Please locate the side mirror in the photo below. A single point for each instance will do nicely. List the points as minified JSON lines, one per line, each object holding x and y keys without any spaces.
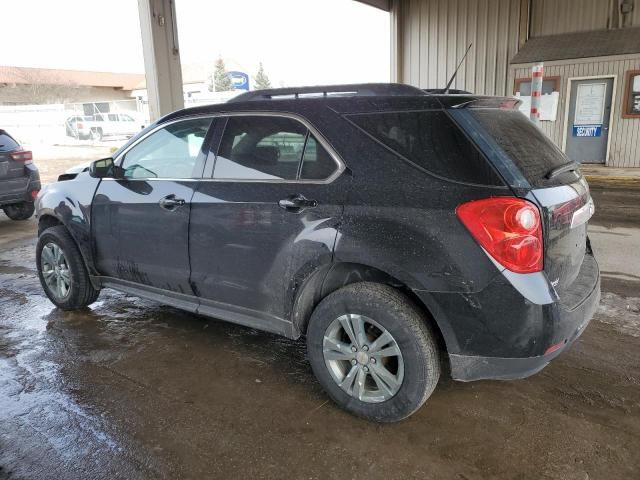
{"x":105,"y":168}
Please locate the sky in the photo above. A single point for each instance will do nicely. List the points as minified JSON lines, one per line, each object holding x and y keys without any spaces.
{"x":300,"y":42}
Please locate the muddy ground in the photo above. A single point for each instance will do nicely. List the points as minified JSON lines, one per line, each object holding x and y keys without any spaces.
{"x":131,"y":389}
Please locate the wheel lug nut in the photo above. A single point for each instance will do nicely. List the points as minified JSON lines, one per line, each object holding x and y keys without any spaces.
{"x":354,"y":361}
{"x":365,"y":348}
{"x":366,"y":369}
{"x":354,"y":349}
{"x":372,"y":360}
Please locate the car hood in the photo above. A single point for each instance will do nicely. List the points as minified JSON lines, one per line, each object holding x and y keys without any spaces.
{"x":78,"y":168}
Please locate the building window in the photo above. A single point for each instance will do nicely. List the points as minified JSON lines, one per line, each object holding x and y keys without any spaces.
{"x":523,"y":85}
{"x":632,"y":95}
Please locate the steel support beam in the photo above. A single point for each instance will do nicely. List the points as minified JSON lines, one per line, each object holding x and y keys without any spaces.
{"x":161,"y":56}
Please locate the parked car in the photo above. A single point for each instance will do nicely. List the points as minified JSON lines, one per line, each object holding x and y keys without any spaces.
{"x":19,"y":179}
{"x":403,"y":233}
{"x":101,"y":125}
{"x":77,"y":126}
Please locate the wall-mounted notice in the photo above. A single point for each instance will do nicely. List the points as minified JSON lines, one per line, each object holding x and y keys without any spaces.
{"x":590,"y":104}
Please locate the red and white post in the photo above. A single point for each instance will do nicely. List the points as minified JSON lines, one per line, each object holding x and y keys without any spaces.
{"x":537,"y":72}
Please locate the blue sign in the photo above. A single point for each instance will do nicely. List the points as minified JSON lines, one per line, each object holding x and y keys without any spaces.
{"x":587,"y":130}
{"x":240,"y":80}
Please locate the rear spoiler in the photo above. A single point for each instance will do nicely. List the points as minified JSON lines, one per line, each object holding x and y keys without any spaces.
{"x":463,"y":101}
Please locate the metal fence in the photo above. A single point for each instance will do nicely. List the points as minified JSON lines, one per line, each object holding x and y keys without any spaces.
{"x":48,"y":124}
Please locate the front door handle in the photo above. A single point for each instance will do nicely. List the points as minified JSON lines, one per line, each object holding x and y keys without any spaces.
{"x":297,"y":203}
{"x":170,"y":202}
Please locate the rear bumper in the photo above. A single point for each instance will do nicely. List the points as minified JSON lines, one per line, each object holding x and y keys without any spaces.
{"x":569,"y":323}
{"x":17,"y":190}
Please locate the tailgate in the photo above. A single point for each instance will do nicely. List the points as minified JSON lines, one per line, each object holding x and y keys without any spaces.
{"x":565,"y":211}
{"x":4,"y":165}
{"x":534,"y":167}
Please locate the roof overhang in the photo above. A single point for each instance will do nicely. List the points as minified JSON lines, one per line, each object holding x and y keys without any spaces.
{"x":381,"y":4}
{"x":599,"y":43}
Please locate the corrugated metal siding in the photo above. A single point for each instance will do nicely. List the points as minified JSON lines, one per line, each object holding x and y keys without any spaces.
{"x":435,"y":34}
{"x":550,"y":17}
{"x":624,"y":150}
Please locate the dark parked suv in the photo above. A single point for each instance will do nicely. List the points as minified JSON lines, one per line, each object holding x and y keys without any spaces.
{"x":19,"y":179}
{"x":403,"y":232}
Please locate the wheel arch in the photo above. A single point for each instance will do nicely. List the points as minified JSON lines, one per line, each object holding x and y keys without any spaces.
{"x":47,"y":221}
{"x":330,"y":278}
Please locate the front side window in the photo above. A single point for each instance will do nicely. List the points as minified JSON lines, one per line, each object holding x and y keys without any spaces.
{"x":270,"y":148}
{"x":170,"y":152}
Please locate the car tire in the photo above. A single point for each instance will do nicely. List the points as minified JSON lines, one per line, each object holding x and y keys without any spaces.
{"x":79,"y":292}
{"x":96,"y":134}
{"x":378,"y":308}
{"x":19,"y":211}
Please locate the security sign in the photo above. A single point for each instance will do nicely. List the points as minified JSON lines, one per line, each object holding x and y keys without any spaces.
{"x":240,"y":80}
{"x":587,"y":130}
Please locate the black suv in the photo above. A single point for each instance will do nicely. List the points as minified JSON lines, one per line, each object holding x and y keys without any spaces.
{"x":403,"y":232}
{"x":19,"y":179}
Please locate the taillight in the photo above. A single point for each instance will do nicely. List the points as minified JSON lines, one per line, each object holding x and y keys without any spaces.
{"x":22,"y":156}
{"x":508,"y":228}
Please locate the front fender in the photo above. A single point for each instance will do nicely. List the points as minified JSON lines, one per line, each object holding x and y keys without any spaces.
{"x":69,"y":202}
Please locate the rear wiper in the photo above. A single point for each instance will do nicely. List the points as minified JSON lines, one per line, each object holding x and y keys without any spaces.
{"x":567,"y":167}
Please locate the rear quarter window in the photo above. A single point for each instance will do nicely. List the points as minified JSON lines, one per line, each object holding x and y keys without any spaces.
{"x":7,"y":143}
{"x":432,"y":141}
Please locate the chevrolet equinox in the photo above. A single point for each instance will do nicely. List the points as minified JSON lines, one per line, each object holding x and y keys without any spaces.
{"x":403,"y":232}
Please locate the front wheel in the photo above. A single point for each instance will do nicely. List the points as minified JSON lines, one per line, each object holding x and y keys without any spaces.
{"x":61,"y":269}
{"x":19,"y":211}
{"x":373,"y":352}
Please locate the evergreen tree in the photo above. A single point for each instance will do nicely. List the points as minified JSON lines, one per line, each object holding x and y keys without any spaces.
{"x":220,"y":81}
{"x":261,"y":79}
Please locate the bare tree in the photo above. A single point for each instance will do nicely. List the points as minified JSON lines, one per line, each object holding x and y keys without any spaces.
{"x":44,"y":87}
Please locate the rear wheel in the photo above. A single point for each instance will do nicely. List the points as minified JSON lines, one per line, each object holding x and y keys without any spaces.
{"x":61,"y":269}
{"x":373,"y":352}
{"x":96,"y":134}
{"x":19,"y":211}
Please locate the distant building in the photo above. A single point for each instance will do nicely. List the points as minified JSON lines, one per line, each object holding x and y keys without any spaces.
{"x":27,"y":86}
{"x":195,"y":86}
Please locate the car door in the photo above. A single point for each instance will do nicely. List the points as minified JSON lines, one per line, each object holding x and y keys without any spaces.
{"x":140,"y":222}
{"x":266,"y":219}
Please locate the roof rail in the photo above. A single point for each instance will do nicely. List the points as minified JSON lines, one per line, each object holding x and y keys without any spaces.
{"x":329,"y":91}
{"x":452,"y":91}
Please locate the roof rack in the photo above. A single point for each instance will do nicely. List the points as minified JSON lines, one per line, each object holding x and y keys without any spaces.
{"x":330,"y":91}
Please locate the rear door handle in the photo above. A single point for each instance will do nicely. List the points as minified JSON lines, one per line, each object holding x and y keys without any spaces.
{"x":297,"y":203}
{"x":170,"y":202}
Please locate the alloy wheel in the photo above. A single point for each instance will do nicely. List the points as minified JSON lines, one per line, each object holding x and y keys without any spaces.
{"x":363,"y":358}
{"x":55,"y":270}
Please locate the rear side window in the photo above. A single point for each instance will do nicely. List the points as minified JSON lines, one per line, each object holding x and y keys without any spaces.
{"x":432,"y":141}
{"x":526,"y":145}
{"x":270,"y":148}
{"x":7,"y":143}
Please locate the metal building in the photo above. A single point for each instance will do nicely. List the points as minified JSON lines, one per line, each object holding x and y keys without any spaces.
{"x":590,"y":50}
